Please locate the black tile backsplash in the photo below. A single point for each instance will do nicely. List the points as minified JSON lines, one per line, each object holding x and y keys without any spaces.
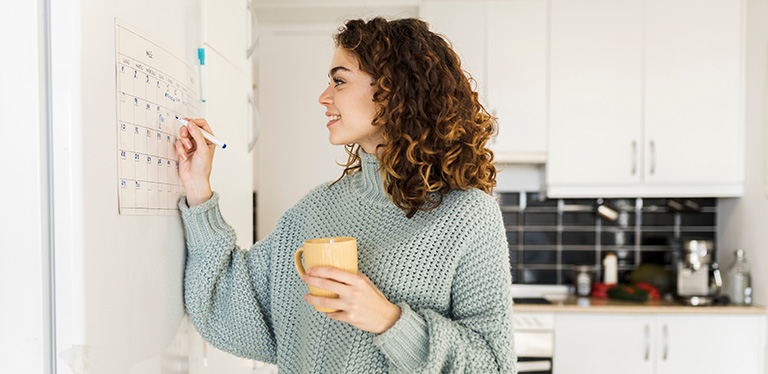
{"x":698,"y":219}
{"x":539,"y":276}
{"x":579,"y":219}
{"x":547,"y":237}
{"x":579,"y":238}
{"x":579,"y":257}
{"x":512,"y":237}
{"x":658,"y":219}
{"x":617,"y":237}
{"x":540,"y":219}
{"x":538,"y":256}
{"x":511,"y":218}
{"x":539,"y":237}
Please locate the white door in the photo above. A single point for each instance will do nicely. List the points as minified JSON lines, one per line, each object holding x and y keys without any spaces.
{"x":517,"y":74}
{"x":708,"y":344}
{"x":694,"y":125}
{"x":595,"y":93}
{"x":603,"y":344}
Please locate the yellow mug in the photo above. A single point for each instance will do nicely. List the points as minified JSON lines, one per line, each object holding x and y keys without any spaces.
{"x":337,"y":252}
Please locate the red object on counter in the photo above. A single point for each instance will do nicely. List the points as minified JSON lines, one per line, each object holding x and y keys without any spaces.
{"x":652,"y":291}
{"x":600,"y":290}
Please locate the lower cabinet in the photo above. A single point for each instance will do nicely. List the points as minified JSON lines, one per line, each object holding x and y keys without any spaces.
{"x":658,"y":343}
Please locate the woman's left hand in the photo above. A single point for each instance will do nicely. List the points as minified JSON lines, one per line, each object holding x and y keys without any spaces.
{"x":360,"y":303}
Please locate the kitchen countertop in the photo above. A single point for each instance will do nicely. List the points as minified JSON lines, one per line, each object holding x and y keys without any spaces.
{"x":573,"y":304}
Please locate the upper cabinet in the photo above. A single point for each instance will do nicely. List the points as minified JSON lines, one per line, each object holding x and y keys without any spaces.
{"x":646,"y":98}
{"x":516,"y":71}
{"x":595,"y":94}
{"x":227,"y":28}
{"x":694,"y":89}
{"x":502,"y":44}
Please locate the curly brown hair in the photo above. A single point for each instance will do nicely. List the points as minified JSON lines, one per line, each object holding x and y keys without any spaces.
{"x":435,"y":130}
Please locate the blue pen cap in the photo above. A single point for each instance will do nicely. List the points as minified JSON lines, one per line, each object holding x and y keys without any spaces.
{"x":201,"y":55}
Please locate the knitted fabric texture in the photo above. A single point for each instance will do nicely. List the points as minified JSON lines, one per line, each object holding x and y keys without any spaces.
{"x":447,"y":269}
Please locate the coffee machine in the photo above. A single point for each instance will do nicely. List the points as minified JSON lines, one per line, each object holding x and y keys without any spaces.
{"x":698,"y":276}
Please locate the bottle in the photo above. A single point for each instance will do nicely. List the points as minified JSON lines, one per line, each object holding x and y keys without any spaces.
{"x":583,"y":280}
{"x":610,"y":269}
{"x":739,"y":282}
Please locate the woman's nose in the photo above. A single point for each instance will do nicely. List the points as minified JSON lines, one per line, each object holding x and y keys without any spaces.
{"x":326,"y":98}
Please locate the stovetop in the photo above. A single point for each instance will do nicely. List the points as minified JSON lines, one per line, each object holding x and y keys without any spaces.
{"x":530,"y":300}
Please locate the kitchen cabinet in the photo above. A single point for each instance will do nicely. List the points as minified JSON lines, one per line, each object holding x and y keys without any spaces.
{"x":658,"y":344}
{"x":646,"y":98}
{"x":228,"y":111}
{"x":516,"y":69}
{"x":232,"y":167}
{"x":595,"y":93}
{"x":502,"y":44}
{"x":228,"y":30}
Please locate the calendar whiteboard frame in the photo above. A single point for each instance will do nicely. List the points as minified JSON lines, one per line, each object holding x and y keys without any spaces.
{"x":148,"y":180}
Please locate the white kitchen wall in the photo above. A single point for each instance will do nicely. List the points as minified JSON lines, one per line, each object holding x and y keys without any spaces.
{"x":742,"y":222}
{"x":293,"y":153}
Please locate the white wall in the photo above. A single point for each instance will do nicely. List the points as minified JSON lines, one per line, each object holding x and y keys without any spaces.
{"x":23,"y":344}
{"x":293,"y":153}
{"x":743,"y":222}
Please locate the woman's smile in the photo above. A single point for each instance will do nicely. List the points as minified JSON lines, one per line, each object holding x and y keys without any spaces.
{"x":332,"y":118}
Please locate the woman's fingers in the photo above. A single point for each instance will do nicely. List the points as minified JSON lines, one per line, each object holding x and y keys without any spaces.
{"x":326,"y":284}
{"x":202,"y":123}
{"x":180,"y":150}
{"x":335,"y":274}
{"x":325,"y":302}
{"x":197,"y":135}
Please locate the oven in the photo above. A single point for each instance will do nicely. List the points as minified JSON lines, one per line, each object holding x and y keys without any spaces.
{"x":534,"y":342}
{"x":535,"y":331}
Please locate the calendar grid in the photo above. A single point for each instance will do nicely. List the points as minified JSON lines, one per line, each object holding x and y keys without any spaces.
{"x":153,"y":87}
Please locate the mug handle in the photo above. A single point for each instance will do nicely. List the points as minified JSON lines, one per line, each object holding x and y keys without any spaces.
{"x":297,"y":261}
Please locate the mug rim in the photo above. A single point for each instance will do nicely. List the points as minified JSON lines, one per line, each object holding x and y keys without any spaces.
{"x":336,"y":240}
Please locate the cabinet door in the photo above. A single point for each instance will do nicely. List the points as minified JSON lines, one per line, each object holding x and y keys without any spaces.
{"x":603,"y":344}
{"x":694,"y":124}
{"x":226,"y":27}
{"x":227,"y":112}
{"x":595,"y":93}
{"x":708,"y":344}
{"x":463,"y":23}
{"x":517,"y":75}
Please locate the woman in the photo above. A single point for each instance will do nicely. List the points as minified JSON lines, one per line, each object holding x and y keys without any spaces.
{"x":432,"y":292}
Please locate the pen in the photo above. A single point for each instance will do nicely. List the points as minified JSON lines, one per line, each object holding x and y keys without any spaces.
{"x":206,"y":134}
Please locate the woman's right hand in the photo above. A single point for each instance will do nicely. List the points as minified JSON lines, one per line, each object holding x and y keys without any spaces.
{"x":195,"y":161}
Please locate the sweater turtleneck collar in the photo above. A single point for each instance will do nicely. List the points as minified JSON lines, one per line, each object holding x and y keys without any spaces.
{"x":371,"y":184}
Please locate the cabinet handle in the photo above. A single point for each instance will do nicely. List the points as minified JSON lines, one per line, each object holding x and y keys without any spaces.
{"x":252,"y":48}
{"x":634,"y":157}
{"x":647,"y":342}
{"x":251,"y":123}
{"x":666,"y":341}
{"x":653,"y":157}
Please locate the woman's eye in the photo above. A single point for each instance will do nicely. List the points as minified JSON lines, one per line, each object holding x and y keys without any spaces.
{"x":337,"y":82}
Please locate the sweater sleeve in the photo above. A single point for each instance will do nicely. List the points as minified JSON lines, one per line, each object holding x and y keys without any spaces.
{"x":477,"y":338}
{"x":226,"y":289}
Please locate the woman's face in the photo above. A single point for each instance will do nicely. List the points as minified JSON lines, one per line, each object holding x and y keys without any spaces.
{"x":349,"y":103}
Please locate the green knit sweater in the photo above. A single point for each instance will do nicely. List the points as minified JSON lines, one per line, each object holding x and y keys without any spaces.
{"x":447,"y":269}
